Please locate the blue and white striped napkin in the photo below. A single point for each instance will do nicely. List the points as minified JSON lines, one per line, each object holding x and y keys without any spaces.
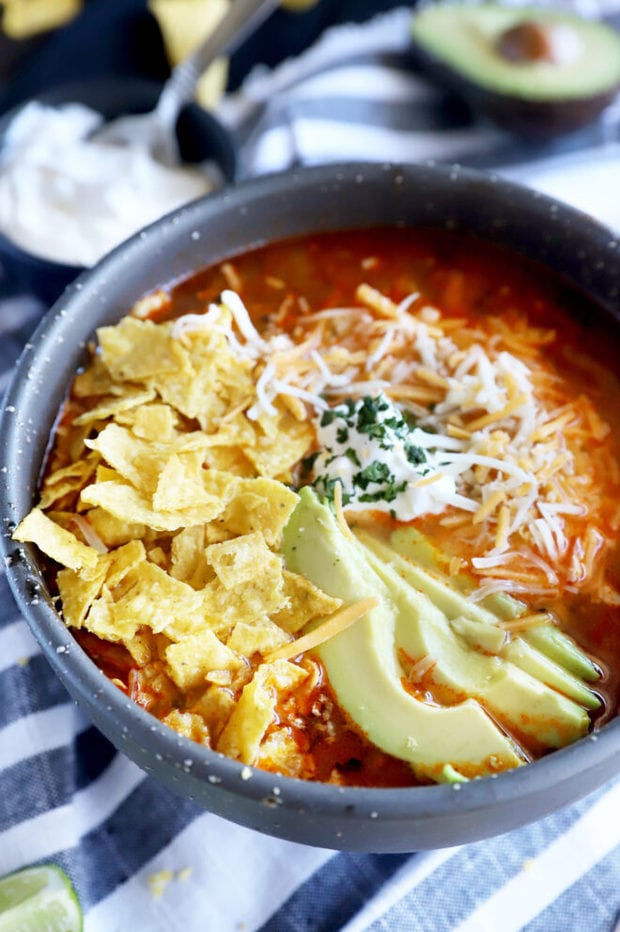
{"x":143,"y":859}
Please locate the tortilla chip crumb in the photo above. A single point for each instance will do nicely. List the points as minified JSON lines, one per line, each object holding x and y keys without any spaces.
{"x":159,"y":881}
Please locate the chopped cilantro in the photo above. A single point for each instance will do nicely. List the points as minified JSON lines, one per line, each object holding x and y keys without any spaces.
{"x":386,"y":494}
{"x":358,"y":425}
{"x":352,"y":455}
{"x":415,"y":455}
{"x":374,"y":472}
{"x":324,"y":485}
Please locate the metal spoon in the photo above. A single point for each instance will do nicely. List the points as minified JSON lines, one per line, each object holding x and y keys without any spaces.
{"x":156,"y":130}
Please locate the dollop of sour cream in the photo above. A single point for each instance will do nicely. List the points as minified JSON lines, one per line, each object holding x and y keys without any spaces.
{"x":382,"y":460}
{"x":68,"y":197}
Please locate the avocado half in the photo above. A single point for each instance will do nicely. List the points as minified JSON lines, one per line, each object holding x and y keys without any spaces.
{"x":541,"y":73}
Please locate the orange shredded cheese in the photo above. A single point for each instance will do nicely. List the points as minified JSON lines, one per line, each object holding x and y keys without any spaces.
{"x":524,"y":622}
{"x":339,"y":621}
{"x":376,"y":301}
{"x":489,"y":507}
{"x":495,"y":416}
{"x":501,"y":532}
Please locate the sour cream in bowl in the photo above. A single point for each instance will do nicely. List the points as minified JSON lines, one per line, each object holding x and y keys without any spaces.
{"x":67,"y":198}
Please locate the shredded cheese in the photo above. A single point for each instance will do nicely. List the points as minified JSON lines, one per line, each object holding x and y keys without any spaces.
{"x":524,"y":622}
{"x":526,"y":450}
{"x":339,"y":621}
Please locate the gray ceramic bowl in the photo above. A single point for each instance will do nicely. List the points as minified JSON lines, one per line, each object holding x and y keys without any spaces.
{"x":234,"y":220}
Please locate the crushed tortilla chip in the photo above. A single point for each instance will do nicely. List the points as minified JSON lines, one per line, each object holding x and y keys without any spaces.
{"x":305,"y":601}
{"x":243,"y":559}
{"x":260,"y":504}
{"x":181,"y":501}
{"x":191,"y":659}
{"x":115,"y":404}
{"x":255,"y":711}
{"x":257,"y":637}
{"x":59,"y":544}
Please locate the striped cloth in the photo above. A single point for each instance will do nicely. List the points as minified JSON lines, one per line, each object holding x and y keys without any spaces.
{"x":143,"y":859}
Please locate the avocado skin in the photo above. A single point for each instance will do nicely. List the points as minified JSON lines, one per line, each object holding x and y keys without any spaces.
{"x":536,"y":120}
{"x":527,"y":115}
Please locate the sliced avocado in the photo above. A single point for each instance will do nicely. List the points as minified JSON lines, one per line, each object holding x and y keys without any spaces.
{"x":489,"y":639}
{"x":450,"y":775}
{"x":520,"y":700}
{"x":526,"y":657}
{"x":447,"y":597}
{"x":544,"y":651}
{"x":538,"y":72}
{"x":556,"y":645}
{"x":416,"y":618}
{"x":364,"y":669}
{"x":505,"y":606}
{"x":410,"y":543}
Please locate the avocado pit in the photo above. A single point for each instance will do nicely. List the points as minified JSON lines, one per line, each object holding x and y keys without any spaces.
{"x":536,"y":41}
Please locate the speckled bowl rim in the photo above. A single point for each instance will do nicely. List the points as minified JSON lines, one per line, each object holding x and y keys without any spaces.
{"x":589,"y":761}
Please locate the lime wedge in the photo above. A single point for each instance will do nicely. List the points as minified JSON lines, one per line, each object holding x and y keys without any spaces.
{"x":39,"y":899}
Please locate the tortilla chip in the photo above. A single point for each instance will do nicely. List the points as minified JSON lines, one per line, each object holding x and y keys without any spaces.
{"x":304,"y":603}
{"x":229,"y":459}
{"x":67,"y":480}
{"x":95,"y":380}
{"x":188,"y":557}
{"x":289,"y":440}
{"x":255,"y":710}
{"x":263,"y":505}
{"x":190,"y":660}
{"x":184,"y":23}
{"x":159,"y":556}
{"x":215,"y":706}
{"x":154,"y":422}
{"x":78,"y":591}
{"x":119,"y":562}
{"x":101,"y":621}
{"x":156,"y":600}
{"x":189,"y":725}
{"x":137,"y":350}
{"x":279,"y":753}
{"x":128,"y":504}
{"x":250,"y":719}
{"x":236,"y":431}
{"x":181,"y":483}
{"x":115,"y":404}
{"x":113,"y":531}
{"x":243,"y":560}
{"x":56,"y":542}
{"x":258,"y":637}
{"x":136,"y":460}
{"x":23,"y":20}
{"x":143,"y":646}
